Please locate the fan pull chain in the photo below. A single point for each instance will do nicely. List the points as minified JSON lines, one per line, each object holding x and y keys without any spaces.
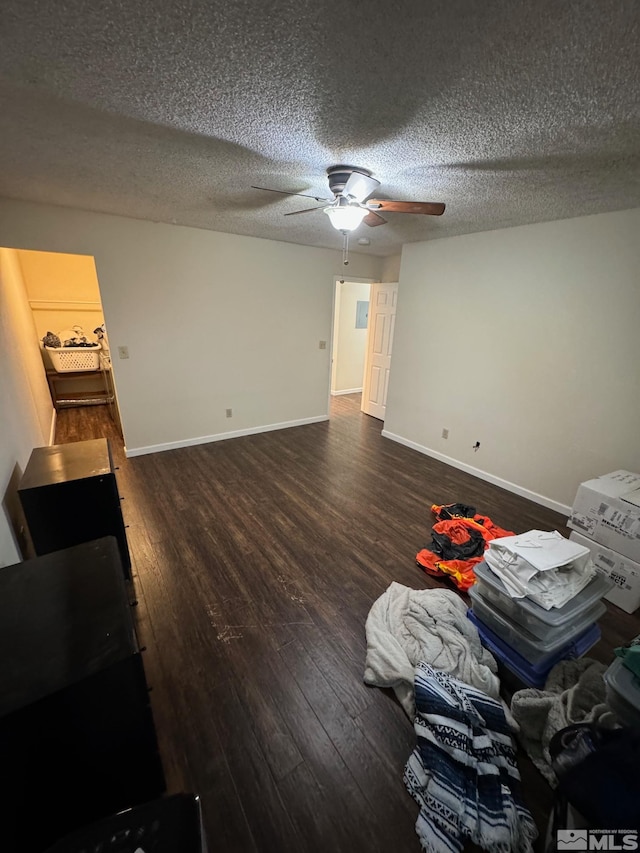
{"x":345,"y":248}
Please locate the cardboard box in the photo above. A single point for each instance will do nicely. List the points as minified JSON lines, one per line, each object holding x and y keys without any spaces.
{"x":607,"y":510}
{"x":625,"y":573}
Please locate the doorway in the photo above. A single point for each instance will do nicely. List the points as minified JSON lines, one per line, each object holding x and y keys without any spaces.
{"x":62,"y":303}
{"x":350,"y":323}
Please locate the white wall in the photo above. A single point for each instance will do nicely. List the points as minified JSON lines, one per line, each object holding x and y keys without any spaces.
{"x":26,"y":410}
{"x":212,"y":321}
{"x":391,"y":268}
{"x":527,"y":340}
{"x":350,"y":343}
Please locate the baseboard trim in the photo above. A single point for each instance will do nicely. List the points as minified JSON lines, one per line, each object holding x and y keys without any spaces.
{"x":348,"y":391}
{"x":221,"y":436}
{"x":52,"y":430}
{"x":482,"y":475}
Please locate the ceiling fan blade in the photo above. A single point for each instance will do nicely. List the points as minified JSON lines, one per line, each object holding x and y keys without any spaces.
{"x":359,"y":186}
{"x":372,"y":219}
{"x":284,"y":192}
{"x":432,"y":208}
{"x":306,"y":210}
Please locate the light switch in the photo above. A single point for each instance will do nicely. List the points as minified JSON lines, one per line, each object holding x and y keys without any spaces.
{"x":322,"y":345}
{"x":123,"y":352}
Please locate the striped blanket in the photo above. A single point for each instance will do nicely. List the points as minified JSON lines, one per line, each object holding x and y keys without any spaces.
{"x":463,"y":771}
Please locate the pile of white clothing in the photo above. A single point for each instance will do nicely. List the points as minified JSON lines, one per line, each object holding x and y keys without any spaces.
{"x":406,"y":626}
{"x":540,"y":565}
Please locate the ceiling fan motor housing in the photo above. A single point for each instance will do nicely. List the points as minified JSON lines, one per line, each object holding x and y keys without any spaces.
{"x":339,"y":175}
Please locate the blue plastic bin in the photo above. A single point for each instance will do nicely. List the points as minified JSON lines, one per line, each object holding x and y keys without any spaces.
{"x":533,"y":676}
{"x":538,"y":652}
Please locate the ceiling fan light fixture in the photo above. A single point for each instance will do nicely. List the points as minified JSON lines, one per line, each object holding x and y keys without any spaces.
{"x":346,"y":217}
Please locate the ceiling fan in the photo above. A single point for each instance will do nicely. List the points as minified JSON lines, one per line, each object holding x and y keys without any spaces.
{"x":351,"y":204}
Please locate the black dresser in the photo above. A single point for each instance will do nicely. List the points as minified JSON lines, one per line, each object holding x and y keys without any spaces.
{"x":69,"y":495}
{"x":168,"y":825}
{"x":77,"y":740}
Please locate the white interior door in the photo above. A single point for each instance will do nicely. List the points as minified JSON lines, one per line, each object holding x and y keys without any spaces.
{"x":382,"y":318}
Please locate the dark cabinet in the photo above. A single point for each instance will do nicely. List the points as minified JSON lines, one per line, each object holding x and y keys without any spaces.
{"x":77,"y":740}
{"x":70,"y":495}
{"x":168,"y":825}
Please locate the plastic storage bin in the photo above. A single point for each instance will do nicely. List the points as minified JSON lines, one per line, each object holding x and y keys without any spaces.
{"x":535,"y":619}
{"x":527,"y":673}
{"x":68,"y":359}
{"x":535,"y":650}
{"x":623,"y":693}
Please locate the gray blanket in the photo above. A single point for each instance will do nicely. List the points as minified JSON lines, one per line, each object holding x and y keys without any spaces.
{"x":406,"y":626}
{"x":574,"y":693}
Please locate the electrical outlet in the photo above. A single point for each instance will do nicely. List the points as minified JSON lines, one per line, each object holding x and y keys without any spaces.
{"x":322,"y":345}
{"x":229,"y":413}
{"x":123,"y":352}
{"x":445,"y":432}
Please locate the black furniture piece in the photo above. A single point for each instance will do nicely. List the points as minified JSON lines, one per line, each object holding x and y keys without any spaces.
{"x":77,"y":740}
{"x":170,"y":825}
{"x":69,"y":495}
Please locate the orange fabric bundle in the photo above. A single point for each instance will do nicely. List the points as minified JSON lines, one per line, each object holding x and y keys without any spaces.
{"x":460,"y":571}
{"x":458,"y":529}
{"x":458,"y":543}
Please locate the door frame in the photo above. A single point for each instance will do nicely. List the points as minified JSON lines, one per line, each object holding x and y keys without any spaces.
{"x":337,"y":281}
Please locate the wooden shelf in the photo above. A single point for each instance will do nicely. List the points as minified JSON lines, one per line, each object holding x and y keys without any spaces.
{"x":62,"y":398}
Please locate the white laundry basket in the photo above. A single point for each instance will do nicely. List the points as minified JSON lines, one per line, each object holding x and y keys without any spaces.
{"x":68,"y":359}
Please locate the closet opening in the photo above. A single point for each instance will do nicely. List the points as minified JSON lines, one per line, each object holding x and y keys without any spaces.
{"x":62,"y":315}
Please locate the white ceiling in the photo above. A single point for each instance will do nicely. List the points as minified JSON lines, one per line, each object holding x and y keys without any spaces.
{"x":509,"y":112}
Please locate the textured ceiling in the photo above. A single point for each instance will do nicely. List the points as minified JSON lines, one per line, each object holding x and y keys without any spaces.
{"x":509,"y":112}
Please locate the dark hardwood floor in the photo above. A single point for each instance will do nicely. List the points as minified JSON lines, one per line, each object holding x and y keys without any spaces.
{"x":256,"y":561}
